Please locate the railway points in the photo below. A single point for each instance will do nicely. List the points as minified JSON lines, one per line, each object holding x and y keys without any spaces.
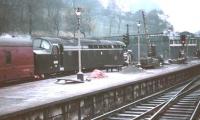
{"x":177,"y":102}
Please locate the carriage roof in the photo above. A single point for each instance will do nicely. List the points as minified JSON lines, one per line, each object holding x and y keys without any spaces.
{"x":15,"y":41}
{"x":74,"y":42}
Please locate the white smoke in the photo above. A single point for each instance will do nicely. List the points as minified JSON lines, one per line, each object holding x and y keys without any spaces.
{"x":132,"y":5}
{"x":183,"y":14}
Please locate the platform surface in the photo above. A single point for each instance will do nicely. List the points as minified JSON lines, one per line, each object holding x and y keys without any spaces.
{"x":27,"y":95}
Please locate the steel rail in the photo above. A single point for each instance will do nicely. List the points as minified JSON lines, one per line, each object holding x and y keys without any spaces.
{"x":161,"y":107}
{"x":196,"y":111}
{"x":173,"y":100}
{"x":155,"y":108}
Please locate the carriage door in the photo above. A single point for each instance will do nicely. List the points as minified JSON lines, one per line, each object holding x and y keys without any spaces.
{"x":55,"y":58}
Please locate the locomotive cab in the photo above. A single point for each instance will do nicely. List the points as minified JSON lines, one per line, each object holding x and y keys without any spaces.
{"x":47,"y":55}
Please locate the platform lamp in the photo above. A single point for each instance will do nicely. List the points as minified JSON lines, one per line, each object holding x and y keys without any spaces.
{"x":80,"y":75}
{"x":138,"y":26}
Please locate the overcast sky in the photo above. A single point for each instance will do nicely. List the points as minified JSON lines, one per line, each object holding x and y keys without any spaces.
{"x":184,"y":15}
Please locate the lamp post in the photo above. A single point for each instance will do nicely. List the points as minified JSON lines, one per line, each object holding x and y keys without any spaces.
{"x":138,"y":26}
{"x":169,"y":34}
{"x":80,"y":75}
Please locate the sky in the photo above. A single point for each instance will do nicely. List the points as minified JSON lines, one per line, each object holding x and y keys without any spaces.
{"x":184,"y":15}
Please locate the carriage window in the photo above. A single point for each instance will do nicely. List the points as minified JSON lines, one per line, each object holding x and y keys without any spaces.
{"x":95,"y":46}
{"x":90,"y":46}
{"x":100,"y":46}
{"x":7,"y":57}
{"x":36,"y":43}
{"x":45,"y":45}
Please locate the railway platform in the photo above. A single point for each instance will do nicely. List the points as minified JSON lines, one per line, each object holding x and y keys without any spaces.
{"x":48,"y":99}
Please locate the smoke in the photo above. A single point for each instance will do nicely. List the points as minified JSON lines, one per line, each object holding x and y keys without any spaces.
{"x":183,"y":14}
{"x":132,"y":5}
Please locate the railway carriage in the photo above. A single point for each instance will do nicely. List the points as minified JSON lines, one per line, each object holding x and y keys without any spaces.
{"x":55,"y":55}
{"x":25,"y":57}
{"x":16,"y":58}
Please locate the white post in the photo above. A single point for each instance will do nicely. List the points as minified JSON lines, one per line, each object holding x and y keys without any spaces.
{"x":79,"y":47}
{"x":169,"y":48}
{"x":80,"y":75}
{"x":138,"y":25}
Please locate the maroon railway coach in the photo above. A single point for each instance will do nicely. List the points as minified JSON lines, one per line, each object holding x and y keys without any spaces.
{"x":16,"y":58}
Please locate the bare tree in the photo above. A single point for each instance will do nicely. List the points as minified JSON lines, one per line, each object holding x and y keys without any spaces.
{"x":113,"y":15}
{"x":56,"y":19}
{"x":30,"y":11}
{"x":119,"y":23}
{"x":86,"y":23}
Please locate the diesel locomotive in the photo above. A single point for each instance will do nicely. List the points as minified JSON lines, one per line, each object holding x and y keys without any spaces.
{"x":29,"y":58}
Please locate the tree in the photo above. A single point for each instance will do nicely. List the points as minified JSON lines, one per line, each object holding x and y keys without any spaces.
{"x":52,"y":16}
{"x":54,"y":9}
{"x":113,"y":12}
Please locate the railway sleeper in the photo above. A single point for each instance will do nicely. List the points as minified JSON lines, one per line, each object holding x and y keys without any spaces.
{"x":117,"y":118}
{"x":172,"y":118}
{"x":185,"y":104}
{"x":149,"y":104}
{"x":176,"y":115}
{"x":126,"y":115}
{"x":167,"y":97}
{"x":162,"y":98}
{"x":171,"y":93}
{"x":180,"y":111}
{"x":133,"y":112}
{"x":190,"y":97}
{"x":138,"y":109}
{"x":176,"y":109}
{"x":187,"y":101}
{"x":154,"y":102}
{"x":157,"y":100}
{"x":183,"y":107}
{"x":145,"y":107}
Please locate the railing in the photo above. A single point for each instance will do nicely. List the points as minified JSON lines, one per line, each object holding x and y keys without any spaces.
{"x":86,"y":107}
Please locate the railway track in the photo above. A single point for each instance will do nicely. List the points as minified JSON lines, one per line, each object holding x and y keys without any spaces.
{"x":179,"y":102}
{"x":182,"y":107}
